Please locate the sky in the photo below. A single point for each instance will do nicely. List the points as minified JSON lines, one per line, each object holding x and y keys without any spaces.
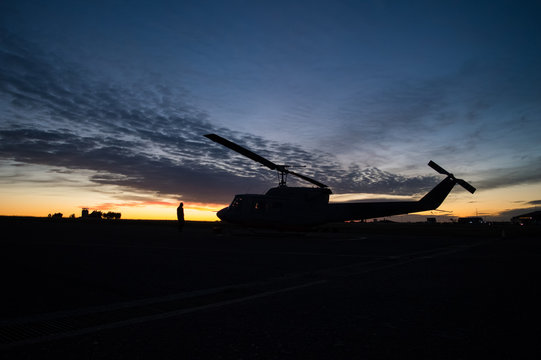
{"x":104,"y":104}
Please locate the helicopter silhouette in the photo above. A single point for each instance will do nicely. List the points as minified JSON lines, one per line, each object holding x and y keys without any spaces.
{"x":285,"y":206}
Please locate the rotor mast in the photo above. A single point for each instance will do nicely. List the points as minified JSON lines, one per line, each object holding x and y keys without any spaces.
{"x":282,"y":177}
{"x":282,"y":169}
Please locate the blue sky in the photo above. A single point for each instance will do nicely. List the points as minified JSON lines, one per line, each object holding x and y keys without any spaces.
{"x":364,"y":93}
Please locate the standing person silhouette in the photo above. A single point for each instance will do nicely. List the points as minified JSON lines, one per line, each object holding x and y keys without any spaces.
{"x":180,"y":216}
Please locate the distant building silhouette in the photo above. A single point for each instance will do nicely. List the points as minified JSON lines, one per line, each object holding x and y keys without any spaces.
{"x":527,"y":219}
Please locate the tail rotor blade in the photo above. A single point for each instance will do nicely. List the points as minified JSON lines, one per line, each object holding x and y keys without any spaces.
{"x":466,"y":186}
{"x":438,"y":168}
{"x":441,"y":170}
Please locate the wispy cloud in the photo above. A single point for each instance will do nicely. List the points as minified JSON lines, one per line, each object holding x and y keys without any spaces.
{"x":525,"y":173}
{"x":483,"y":112}
{"x":146,"y":138}
{"x":109,"y":206}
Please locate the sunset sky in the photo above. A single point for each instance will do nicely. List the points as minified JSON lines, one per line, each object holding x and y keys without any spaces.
{"x":104,"y":104}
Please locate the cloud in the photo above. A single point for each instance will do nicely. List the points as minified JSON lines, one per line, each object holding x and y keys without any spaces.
{"x":484,"y":110}
{"x":376,"y":181}
{"x":146,"y":138}
{"x":109,"y":206}
{"x":525,"y":173}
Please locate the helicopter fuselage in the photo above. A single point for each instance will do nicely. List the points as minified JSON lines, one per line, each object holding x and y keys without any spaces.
{"x":300,"y":206}
{"x":281,"y":205}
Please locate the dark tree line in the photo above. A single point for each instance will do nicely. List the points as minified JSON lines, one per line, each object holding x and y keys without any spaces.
{"x":100,"y":215}
{"x":112,"y":215}
{"x":93,"y":215}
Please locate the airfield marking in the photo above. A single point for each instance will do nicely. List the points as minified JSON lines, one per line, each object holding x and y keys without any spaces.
{"x":159,"y":316}
{"x":284,"y":253}
{"x":451,"y":250}
{"x":435,"y":250}
{"x":224,"y":251}
{"x":230,"y":251}
{"x":351,"y":239}
{"x":24,"y":331}
{"x":123,"y":305}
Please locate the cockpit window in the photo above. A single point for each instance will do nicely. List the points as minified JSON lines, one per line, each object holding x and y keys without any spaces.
{"x":237,"y":201}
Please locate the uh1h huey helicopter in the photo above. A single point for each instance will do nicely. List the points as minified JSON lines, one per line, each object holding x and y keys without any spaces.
{"x":284,"y":206}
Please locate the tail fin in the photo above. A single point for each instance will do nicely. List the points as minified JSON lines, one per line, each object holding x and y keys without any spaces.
{"x":461,"y":182}
{"x":436,"y":196}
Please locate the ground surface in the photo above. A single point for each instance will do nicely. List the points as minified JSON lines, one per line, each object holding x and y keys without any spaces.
{"x":141,"y":289}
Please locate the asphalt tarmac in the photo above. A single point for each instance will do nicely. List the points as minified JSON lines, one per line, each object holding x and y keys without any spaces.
{"x":141,"y":289}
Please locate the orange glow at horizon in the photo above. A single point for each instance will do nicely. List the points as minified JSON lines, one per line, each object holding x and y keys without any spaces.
{"x":41,"y":201}
{"x":192,"y":212}
{"x":38,"y":199}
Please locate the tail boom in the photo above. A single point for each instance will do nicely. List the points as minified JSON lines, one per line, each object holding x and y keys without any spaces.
{"x":369,"y":210}
{"x":431,"y":201}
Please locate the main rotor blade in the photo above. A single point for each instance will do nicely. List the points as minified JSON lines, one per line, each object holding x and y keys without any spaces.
{"x":249,"y":154}
{"x":243,"y":151}
{"x":438,"y":168}
{"x":315,"y":182}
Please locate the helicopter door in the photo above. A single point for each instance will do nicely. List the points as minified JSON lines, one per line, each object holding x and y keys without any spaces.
{"x":259,"y":206}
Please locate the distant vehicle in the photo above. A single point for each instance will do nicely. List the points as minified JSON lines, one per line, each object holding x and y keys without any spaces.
{"x":471,"y":220}
{"x":285,"y":206}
